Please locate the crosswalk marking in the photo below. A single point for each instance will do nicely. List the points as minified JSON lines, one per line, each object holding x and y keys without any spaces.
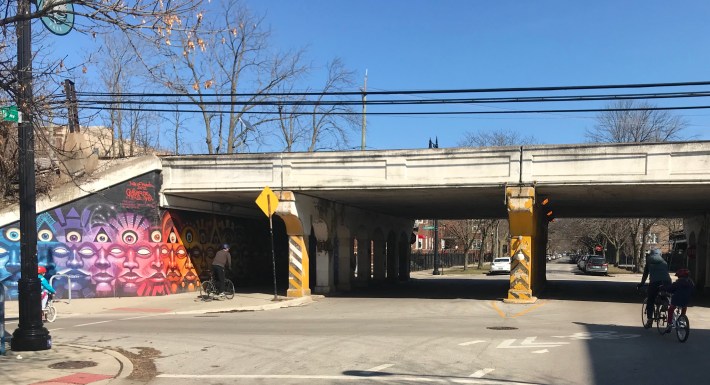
{"x":481,"y":373}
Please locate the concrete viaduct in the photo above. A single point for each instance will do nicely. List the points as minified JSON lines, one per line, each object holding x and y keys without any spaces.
{"x":370,"y":198}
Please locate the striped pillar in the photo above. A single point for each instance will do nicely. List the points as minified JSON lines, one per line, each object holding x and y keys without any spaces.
{"x":297,"y":267}
{"x":298,"y":275}
{"x":520,"y":202}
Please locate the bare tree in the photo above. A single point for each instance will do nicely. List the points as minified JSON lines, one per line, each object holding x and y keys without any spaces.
{"x":495,"y":138}
{"x":626,"y":121}
{"x":136,"y":19}
{"x":464,"y":232}
{"x":223,"y":64}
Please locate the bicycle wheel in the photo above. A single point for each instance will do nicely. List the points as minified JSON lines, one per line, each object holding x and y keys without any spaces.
{"x":661,"y":318}
{"x":682,"y":328}
{"x":228,"y":289}
{"x":644,"y":317}
{"x":51,"y":313}
{"x":206,"y":290}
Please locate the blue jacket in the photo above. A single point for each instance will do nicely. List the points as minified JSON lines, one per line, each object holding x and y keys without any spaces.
{"x":45,"y":284}
{"x":656,"y":267}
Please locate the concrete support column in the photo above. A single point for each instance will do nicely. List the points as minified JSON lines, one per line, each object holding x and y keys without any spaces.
{"x":380,"y":260}
{"x":344,"y":247}
{"x":298,"y":275}
{"x":520,"y":203}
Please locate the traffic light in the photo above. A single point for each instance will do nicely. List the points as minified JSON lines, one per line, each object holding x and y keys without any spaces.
{"x":546,"y":208}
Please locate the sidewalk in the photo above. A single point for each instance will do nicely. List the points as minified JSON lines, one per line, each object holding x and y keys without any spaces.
{"x":76,"y":364}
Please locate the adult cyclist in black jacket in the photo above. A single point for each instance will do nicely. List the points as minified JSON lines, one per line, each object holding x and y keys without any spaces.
{"x":657,"y":269}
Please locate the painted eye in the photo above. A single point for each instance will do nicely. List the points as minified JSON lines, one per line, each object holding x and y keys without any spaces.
{"x":13,"y":234}
{"x":130,"y":237}
{"x":62,"y":251}
{"x":116,"y":251}
{"x":86,"y":251}
{"x":73,"y":236}
{"x":156,"y":236}
{"x":196,"y":253}
{"x":143,"y":252}
{"x":164,"y":251}
{"x":188,"y":236}
{"x":2,"y":251}
{"x":181,"y":252}
{"x":102,"y":238}
{"x":45,"y":236}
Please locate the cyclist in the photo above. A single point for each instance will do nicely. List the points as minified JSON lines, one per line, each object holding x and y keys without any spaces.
{"x":221,"y":260}
{"x":657,"y":268}
{"x":682,"y":288}
{"x":47,"y":289}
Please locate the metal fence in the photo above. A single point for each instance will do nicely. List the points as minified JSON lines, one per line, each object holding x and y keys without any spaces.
{"x":421,"y":262}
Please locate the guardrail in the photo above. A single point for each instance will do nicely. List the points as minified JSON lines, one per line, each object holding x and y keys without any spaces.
{"x":68,"y":282}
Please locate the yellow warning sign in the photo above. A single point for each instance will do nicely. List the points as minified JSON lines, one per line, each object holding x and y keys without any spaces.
{"x":267,"y":201}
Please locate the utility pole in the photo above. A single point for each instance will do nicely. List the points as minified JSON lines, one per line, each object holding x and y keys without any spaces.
{"x":30,"y":335}
{"x":436,"y":248}
{"x":364,"y":112}
{"x":72,"y":110}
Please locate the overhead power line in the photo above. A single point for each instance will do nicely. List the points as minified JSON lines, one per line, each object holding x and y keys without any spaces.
{"x":497,"y":112}
{"x":419,"y":92}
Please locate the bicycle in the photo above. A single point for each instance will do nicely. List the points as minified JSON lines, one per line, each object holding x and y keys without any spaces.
{"x":208,"y":289}
{"x":660,"y":311}
{"x":49,"y":313}
{"x":680,"y":323}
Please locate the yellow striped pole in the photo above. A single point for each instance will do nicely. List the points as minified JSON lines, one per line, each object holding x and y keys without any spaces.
{"x":520,"y":202}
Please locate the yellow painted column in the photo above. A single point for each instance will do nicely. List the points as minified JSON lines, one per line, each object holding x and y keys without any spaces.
{"x":298,"y":274}
{"x":520,"y":202}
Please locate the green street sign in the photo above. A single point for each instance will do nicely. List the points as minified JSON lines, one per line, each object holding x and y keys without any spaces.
{"x":428,"y":227}
{"x":9,"y":114}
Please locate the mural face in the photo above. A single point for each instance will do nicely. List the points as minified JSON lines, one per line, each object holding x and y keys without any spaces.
{"x":178,"y":268}
{"x":139,"y":270}
{"x":118,"y":243}
{"x":10,"y":259}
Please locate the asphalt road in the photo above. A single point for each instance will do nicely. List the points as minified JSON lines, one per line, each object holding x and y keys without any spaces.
{"x":433,"y":329}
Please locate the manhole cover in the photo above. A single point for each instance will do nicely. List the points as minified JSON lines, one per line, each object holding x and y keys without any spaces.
{"x":502,"y":328}
{"x":73,"y":365}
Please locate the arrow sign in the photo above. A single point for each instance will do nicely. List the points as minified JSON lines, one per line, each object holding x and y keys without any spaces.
{"x":529,"y":343}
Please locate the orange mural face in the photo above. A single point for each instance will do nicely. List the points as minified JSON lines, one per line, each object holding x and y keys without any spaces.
{"x":178,"y":268}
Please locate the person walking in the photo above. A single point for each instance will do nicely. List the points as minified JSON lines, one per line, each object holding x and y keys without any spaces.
{"x":657,"y":268}
{"x":221,"y":261}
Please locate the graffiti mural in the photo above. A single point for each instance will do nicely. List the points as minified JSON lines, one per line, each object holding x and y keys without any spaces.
{"x":106,"y":244}
{"x":118,"y":242}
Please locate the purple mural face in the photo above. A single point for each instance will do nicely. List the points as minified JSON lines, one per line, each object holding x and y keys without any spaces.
{"x":10,"y":260}
{"x":139,"y":267}
{"x":76,"y":254}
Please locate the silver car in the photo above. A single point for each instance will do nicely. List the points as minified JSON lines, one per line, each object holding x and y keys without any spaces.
{"x":596,"y":265}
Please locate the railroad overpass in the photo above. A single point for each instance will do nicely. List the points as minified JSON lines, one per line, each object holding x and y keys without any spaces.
{"x":341,"y":208}
{"x":374,"y":195}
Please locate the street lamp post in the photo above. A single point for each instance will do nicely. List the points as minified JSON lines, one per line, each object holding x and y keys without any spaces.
{"x":30,"y":335}
{"x":436,"y":248}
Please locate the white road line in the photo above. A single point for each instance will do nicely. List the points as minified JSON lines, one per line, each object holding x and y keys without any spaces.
{"x":481,"y":373}
{"x":93,"y":323}
{"x":378,"y":368}
{"x":471,"y":342}
{"x":541,"y":351}
{"x":360,"y":379}
{"x":51,"y":330}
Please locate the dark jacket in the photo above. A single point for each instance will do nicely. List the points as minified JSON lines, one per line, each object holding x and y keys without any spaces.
{"x":682,"y":288}
{"x":223,"y":258}
{"x":656,"y":267}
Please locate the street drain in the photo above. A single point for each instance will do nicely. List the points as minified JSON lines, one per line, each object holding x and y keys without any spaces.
{"x":73,"y":365}
{"x":502,"y":328}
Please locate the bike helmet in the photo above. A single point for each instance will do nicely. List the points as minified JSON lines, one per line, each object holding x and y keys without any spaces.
{"x":682,"y":273}
{"x":225,"y":246}
{"x":41,"y":269}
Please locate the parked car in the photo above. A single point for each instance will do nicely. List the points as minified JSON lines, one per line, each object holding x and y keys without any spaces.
{"x":583,"y":261}
{"x":500,"y":265}
{"x":596,"y":265}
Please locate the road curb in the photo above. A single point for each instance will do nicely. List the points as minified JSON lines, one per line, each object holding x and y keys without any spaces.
{"x":126,"y":366}
{"x":276,"y":305}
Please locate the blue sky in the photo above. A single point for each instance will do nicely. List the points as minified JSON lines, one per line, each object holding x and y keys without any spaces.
{"x":417,"y":44}
{"x":454,"y":44}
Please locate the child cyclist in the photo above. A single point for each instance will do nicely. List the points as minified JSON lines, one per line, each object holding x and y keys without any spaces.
{"x":47,"y":289}
{"x":682,"y":288}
